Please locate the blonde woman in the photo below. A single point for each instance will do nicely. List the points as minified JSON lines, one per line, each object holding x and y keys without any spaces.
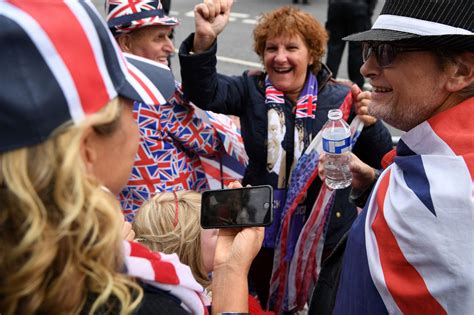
{"x":57,"y":225}
{"x":65,"y":150}
{"x":169,"y":223}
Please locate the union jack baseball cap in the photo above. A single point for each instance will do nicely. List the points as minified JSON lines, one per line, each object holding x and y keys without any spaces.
{"x":60,"y":63}
{"x":124,"y":16}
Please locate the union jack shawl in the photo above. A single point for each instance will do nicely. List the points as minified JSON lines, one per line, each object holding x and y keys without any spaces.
{"x":411,"y":249}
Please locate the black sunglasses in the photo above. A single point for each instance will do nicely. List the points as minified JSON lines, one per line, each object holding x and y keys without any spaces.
{"x":385,"y":54}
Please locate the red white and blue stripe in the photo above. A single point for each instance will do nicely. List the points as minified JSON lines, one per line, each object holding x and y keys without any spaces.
{"x":65,"y":82}
{"x":180,"y":149}
{"x":298,"y":252}
{"x":221,"y":171}
{"x":124,"y":16}
{"x":167,"y":273}
{"x":411,"y":249}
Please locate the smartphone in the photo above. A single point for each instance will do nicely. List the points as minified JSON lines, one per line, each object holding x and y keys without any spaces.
{"x":237,"y":207}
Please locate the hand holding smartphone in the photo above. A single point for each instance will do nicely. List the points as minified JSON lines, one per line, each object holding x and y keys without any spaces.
{"x":237,"y":207}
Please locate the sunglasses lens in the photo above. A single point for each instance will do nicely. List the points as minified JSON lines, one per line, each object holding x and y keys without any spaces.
{"x":386,"y":54}
{"x":366,"y":51}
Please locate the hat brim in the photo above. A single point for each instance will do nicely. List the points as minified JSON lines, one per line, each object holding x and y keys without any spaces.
{"x":166,"y":20}
{"x":452,"y":42}
{"x":147,"y":81}
{"x":379,"y":35}
{"x":127,"y":24}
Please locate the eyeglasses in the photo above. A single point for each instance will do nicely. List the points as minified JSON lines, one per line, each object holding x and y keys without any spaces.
{"x":385,"y":54}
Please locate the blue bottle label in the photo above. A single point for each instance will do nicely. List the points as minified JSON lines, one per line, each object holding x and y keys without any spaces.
{"x":337,"y":146}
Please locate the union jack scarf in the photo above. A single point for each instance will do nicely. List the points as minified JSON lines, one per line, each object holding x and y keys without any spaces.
{"x":276,"y":152}
{"x":305,"y":109}
{"x":411,"y":249}
{"x":297,"y":258}
{"x":167,"y":273}
{"x":286,"y":286}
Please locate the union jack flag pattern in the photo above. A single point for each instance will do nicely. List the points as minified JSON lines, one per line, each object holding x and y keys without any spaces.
{"x":124,"y":16}
{"x":411,"y":249}
{"x":230,"y":166}
{"x":305,"y":263}
{"x":298,"y":252}
{"x":306,"y":105}
{"x":272,"y":95}
{"x":174,"y":138}
{"x":167,"y":273}
{"x":61,"y":73}
{"x":230,"y":135}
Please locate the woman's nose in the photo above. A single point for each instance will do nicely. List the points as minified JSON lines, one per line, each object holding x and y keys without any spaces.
{"x":280,"y":55}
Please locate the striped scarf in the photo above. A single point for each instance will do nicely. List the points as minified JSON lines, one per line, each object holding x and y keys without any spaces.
{"x":298,"y":252}
{"x":167,"y":273}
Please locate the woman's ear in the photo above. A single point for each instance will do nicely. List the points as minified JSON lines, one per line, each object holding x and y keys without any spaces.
{"x":125,"y":42}
{"x":88,"y":150}
{"x":461,"y":72}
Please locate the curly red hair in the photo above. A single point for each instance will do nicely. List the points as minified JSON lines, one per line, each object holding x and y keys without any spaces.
{"x":290,"y":21}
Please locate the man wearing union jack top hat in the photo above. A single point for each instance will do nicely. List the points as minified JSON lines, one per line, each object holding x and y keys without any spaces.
{"x":411,"y":250}
{"x":178,"y":142}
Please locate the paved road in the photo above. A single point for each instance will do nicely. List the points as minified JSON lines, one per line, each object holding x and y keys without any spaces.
{"x":235,"y":43}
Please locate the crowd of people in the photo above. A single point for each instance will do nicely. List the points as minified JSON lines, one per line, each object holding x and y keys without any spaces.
{"x":291,"y":44}
{"x":95,"y":132}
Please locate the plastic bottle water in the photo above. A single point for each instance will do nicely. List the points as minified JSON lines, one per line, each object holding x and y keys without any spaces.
{"x":337,"y":146}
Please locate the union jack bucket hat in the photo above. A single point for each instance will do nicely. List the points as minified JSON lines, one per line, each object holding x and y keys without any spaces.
{"x":423,"y":23}
{"x":124,"y":16}
{"x":60,"y":63}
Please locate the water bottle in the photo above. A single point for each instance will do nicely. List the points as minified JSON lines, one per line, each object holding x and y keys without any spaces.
{"x":337,"y":146}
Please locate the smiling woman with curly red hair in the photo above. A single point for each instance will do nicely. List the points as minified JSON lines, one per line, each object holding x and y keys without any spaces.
{"x":290,"y":22}
{"x":281,"y":109}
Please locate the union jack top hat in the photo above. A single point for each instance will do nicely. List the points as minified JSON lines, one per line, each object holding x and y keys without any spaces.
{"x":60,"y":63}
{"x":424,"y":23}
{"x":124,"y":16}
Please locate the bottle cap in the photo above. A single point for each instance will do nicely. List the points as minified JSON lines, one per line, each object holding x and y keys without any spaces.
{"x":335,"y":114}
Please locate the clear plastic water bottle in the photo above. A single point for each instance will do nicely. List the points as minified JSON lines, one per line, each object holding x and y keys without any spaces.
{"x":337,"y":146}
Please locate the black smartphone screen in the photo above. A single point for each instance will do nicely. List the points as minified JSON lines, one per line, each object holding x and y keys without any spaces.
{"x":246,"y":206}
